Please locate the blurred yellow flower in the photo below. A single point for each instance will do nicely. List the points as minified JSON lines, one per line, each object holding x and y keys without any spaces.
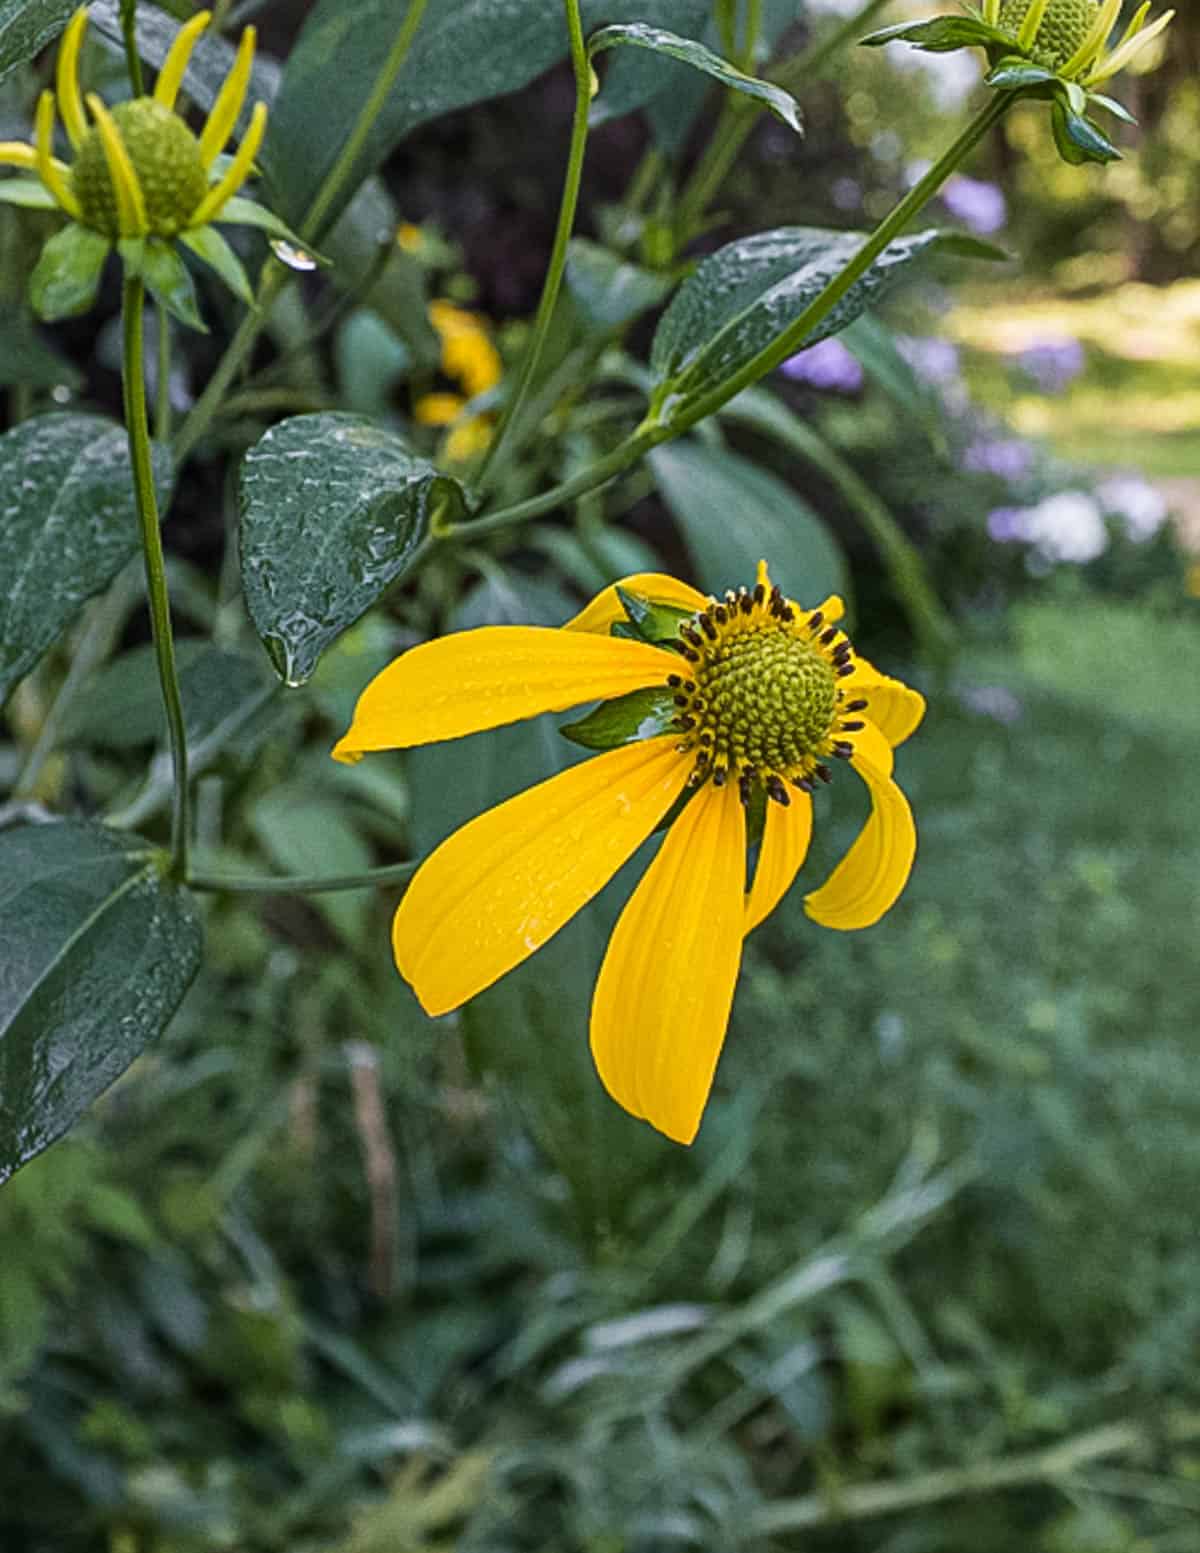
{"x":470,"y":360}
{"x":756,"y":696}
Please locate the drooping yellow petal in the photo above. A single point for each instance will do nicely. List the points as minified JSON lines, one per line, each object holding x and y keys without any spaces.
{"x":895,"y":708}
{"x":870,"y":744}
{"x":210,"y":207}
{"x":870,"y":877}
{"x":503,"y":885}
{"x":131,"y":205}
{"x":51,"y":171}
{"x":15,"y":153}
{"x":784,"y":848}
{"x":66,"y":78}
{"x":665,"y":989}
{"x":606,"y":607}
{"x":170,"y":77}
{"x":223,"y":116}
{"x":471,"y":680}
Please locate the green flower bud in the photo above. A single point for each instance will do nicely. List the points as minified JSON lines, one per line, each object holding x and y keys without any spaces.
{"x":166,"y":158}
{"x":1063,"y":28}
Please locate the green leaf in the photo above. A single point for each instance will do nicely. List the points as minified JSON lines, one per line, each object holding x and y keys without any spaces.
{"x":608,"y":290}
{"x":67,"y":275}
{"x":303,"y":834}
{"x":28,"y":192}
{"x":240,"y":211}
{"x":689,"y":52}
{"x":26,"y":26}
{"x":333,"y":508}
{"x":1014,"y":72}
{"x":642,"y":714}
{"x":745,"y":295}
{"x":98,"y":951}
{"x":507,"y":43}
{"x":26,"y":358}
{"x":638,"y":77}
{"x":939,"y":35}
{"x":732,"y":514}
{"x":874,"y":346}
{"x":649,"y":621}
{"x":1078,"y":139}
{"x":208,"y":244}
{"x":1117,"y":109}
{"x":166,"y":279}
{"x":67,"y":525}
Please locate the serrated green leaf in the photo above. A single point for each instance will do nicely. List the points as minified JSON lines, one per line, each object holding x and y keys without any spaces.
{"x":208,"y":244}
{"x":67,"y":275}
{"x":687,"y":51}
{"x":608,"y":290}
{"x":26,"y":26}
{"x":27,"y":192}
{"x":732,"y":514}
{"x":98,"y":951}
{"x":745,"y":295}
{"x":333,"y":508}
{"x":642,"y":714}
{"x":68,"y":524}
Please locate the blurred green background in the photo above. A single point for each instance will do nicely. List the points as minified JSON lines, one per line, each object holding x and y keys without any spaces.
{"x":321,"y":1275}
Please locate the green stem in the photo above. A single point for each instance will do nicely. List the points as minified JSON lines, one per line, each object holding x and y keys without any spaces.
{"x":753,"y":29}
{"x":562,"y":236}
{"x":301,"y":884}
{"x":133,"y":60}
{"x":371,"y":109}
{"x":797,"y":332}
{"x":134,"y":390}
{"x":162,"y":384}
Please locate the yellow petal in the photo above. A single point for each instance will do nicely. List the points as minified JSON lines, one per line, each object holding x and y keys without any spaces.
{"x":224,"y":112}
{"x":472,"y":680}
{"x":170,"y":77}
{"x":503,"y":885}
{"x":784,"y":848}
{"x":872,"y":745}
{"x":870,"y":877}
{"x":15,"y":153}
{"x":1128,"y":51}
{"x":438,"y":409}
{"x":895,"y":708}
{"x":66,"y":78}
{"x":131,"y":204}
{"x":49,"y":169}
{"x":210,"y":207}
{"x":665,"y":989}
{"x":1097,"y":37}
{"x":606,"y":607}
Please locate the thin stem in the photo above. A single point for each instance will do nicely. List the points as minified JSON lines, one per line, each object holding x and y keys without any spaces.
{"x":794,"y":336}
{"x":133,"y":59}
{"x":133,"y":384}
{"x":301,"y":884}
{"x":162,"y":382}
{"x":562,"y":236}
{"x":753,"y":29}
{"x":371,"y":109}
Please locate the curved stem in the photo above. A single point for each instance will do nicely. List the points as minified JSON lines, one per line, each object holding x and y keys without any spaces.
{"x":133,"y":385}
{"x":357,"y":138}
{"x":301,"y":884}
{"x":562,"y":236}
{"x":794,"y":336}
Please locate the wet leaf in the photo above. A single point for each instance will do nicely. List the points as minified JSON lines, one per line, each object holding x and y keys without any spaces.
{"x":98,"y":951}
{"x":26,"y":26}
{"x":67,"y":525}
{"x":333,"y":508}
{"x":67,"y":275}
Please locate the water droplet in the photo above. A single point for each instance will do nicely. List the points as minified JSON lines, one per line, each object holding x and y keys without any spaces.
{"x":288,"y":253}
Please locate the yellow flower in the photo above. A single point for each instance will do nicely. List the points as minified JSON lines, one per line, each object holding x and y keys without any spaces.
{"x":470,"y":360}
{"x":756,"y":697}
{"x":140,"y":177}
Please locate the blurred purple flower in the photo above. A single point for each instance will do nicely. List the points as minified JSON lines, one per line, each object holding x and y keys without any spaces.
{"x":1052,"y":363}
{"x":934,"y":360}
{"x":1006,"y":525}
{"x":1008,"y":458}
{"x":1141,"y":507}
{"x":828,"y":366}
{"x":980,"y":206}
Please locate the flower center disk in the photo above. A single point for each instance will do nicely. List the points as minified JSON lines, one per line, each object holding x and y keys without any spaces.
{"x":1062,"y":30}
{"x":166,"y":158}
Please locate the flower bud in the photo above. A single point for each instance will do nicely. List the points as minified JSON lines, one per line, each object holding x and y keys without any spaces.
{"x":1060,"y":33}
{"x":165,"y":156}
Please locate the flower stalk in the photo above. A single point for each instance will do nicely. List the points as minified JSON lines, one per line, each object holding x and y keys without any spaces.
{"x":133,"y":383}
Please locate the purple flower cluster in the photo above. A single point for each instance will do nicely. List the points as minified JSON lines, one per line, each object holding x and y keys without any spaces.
{"x":827,"y":366}
{"x":1053,"y":363}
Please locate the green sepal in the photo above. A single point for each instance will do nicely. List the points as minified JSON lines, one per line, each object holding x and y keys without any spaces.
{"x":1078,"y":140}
{"x":642,"y":714}
{"x":1016,"y":73}
{"x":756,"y":814}
{"x":939,"y":35}
{"x":29,"y":192}
{"x":67,"y":276}
{"x":1111,"y":105}
{"x":239,"y":211}
{"x":166,"y":278}
{"x":657,"y":624}
{"x":208,"y":244}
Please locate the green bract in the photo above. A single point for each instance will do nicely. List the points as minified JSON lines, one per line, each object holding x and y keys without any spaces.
{"x":1057,"y":50}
